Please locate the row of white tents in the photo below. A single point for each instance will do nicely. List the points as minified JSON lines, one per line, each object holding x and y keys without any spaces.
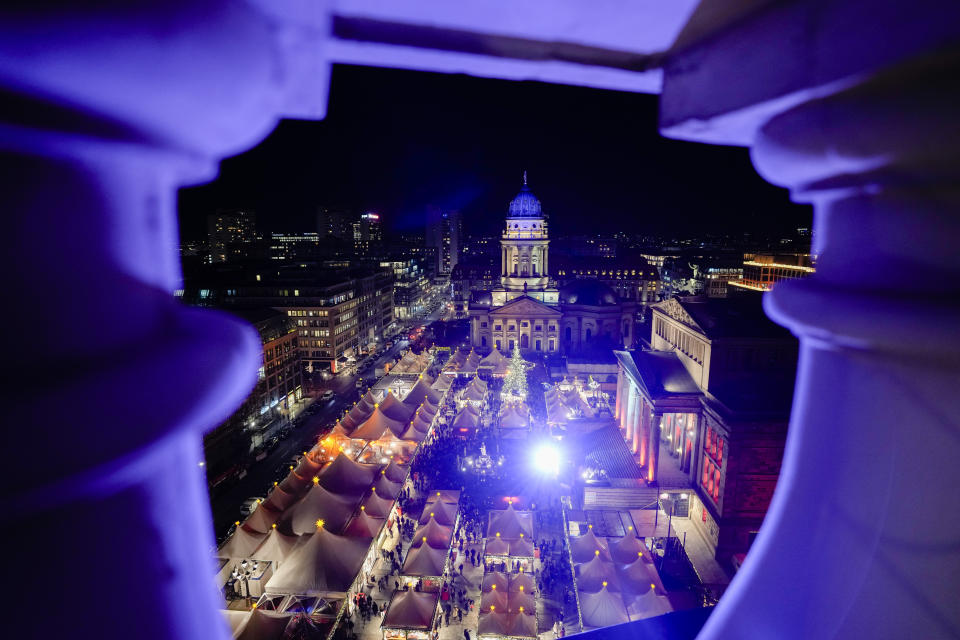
{"x":318,"y":525}
{"x":615,"y":579}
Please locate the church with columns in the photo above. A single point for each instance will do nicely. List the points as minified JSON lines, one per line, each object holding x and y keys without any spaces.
{"x":526,"y":309}
{"x":706,"y":409}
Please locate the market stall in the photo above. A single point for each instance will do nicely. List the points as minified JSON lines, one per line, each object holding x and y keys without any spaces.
{"x":410,"y":615}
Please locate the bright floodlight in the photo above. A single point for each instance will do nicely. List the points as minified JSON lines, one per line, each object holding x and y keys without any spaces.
{"x":546,"y":459}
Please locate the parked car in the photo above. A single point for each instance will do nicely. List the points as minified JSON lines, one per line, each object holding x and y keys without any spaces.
{"x":249,"y":505}
{"x":327,"y":396}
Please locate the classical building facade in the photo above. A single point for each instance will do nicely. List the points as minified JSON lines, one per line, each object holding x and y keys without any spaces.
{"x":707,"y":409}
{"x":526,"y":309}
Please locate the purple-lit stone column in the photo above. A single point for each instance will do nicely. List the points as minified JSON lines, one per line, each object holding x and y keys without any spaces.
{"x":864,"y":526}
{"x":111,"y":382}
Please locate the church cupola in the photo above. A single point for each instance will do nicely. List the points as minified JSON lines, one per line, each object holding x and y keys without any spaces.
{"x":525,"y":204}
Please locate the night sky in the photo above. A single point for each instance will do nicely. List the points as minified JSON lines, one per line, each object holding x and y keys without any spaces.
{"x":396,"y":142}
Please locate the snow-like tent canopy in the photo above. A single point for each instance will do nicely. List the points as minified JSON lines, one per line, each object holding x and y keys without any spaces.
{"x":396,"y":410}
{"x":422,"y":391}
{"x":241,"y":544}
{"x":363,"y":525}
{"x":510,"y":523}
{"x":424,"y":561}
{"x":443,"y":512}
{"x":582,"y":548}
{"x":625,"y":549}
{"x":602,"y":608}
{"x":637,"y":577}
{"x":308,"y":467}
{"x":522,"y":599}
{"x":413,"y":434}
{"x":421,"y":422}
{"x":346,"y":476}
{"x":376,"y":424}
{"x":262,"y":519}
{"x":325,"y":564}
{"x":359,"y":412}
{"x":472,"y":362}
{"x":514,"y":625}
{"x":434,"y":534}
{"x":276,"y":547}
{"x":376,"y":505}
{"x":411,"y":610}
{"x":648,"y":605}
{"x":591,"y":575}
{"x":412,"y":363}
{"x":295,"y":484}
{"x":319,"y":504}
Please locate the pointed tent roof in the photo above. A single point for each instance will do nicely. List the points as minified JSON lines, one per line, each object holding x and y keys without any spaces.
{"x":625,"y":549}
{"x":582,"y":547}
{"x":515,"y":625}
{"x":444,"y":513}
{"x":470,"y":366}
{"x":428,"y":410}
{"x":449,"y":496}
{"x":442,"y":383}
{"x":421,"y":422}
{"x":276,"y":547}
{"x":280,"y":499}
{"x":591,"y":575}
{"x":498,"y":599}
{"x":262,"y":518}
{"x":339,"y":430}
{"x":319,"y":503}
{"x":523,"y":599}
{"x":396,"y":472}
{"x":325,"y":564}
{"x":412,"y":434}
{"x":264,"y":625}
{"x":436,"y":535}
{"x":307,"y":468}
{"x":493,"y":359}
{"x":496,"y":547}
{"x":648,"y":605}
{"x":420,"y":392}
{"x":523,"y":625}
{"x":514,"y":420}
{"x":495,"y":578}
{"x":396,"y":410}
{"x":387,"y":489}
{"x":521,"y":582}
{"x":602,"y":609}
{"x":295,"y":484}
{"x":346,"y":476}
{"x":363,"y":525}
{"x":389,"y":439}
{"x":241,"y":544}
{"x":424,"y":561}
{"x":474,"y":394}
{"x":637,"y":577}
{"x":376,"y":425}
{"x":522,"y":548}
{"x":411,"y":610}
{"x":510,"y":523}
{"x":377,"y":506}
{"x":466,"y":419}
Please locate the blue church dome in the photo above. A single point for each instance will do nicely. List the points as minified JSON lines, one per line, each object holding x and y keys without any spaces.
{"x":525,"y":204}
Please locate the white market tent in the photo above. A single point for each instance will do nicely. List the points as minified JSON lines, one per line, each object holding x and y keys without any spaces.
{"x":602,"y":608}
{"x":510,"y":523}
{"x":319,"y":504}
{"x":583,"y":548}
{"x":325,"y":564}
{"x":241,"y":544}
{"x":276,"y":547}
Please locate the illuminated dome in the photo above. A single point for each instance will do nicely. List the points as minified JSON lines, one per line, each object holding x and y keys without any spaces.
{"x":588,"y":292}
{"x":525,"y":204}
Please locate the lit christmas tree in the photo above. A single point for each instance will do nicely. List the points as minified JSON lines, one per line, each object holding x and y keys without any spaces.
{"x":515,"y":382}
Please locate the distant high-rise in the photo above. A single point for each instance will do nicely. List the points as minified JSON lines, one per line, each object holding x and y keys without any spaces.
{"x":335,"y":223}
{"x":444,"y":231}
{"x":228,"y":229}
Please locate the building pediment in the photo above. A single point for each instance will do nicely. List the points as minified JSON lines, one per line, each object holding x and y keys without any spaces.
{"x":673,"y":309}
{"x":525,"y":306}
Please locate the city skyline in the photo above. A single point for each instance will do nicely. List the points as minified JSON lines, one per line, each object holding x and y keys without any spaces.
{"x":401,"y":152}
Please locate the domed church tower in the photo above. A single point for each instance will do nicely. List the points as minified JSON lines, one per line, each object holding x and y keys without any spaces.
{"x":525,"y":266}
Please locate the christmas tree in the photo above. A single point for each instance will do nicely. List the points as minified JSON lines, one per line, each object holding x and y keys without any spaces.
{"x":515,"y":382}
